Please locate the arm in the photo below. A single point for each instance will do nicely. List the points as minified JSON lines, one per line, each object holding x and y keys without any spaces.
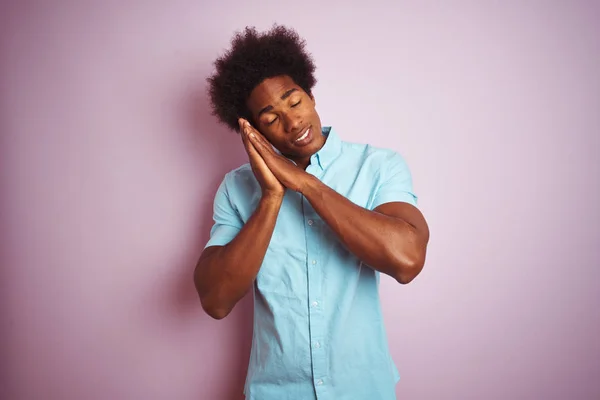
{"x":391,"y":239}
{"x":224,"y":274}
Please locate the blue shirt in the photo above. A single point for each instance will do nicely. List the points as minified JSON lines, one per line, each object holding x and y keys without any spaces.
{"x":318,"y":327}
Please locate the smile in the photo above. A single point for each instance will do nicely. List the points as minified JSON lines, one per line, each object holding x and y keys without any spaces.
{"x":306,"y":136}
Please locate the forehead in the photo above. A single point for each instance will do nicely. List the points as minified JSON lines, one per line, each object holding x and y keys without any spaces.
{"x":269,"y":91}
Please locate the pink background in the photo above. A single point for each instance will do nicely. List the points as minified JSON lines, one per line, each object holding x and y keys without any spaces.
{"x":110,"y":160}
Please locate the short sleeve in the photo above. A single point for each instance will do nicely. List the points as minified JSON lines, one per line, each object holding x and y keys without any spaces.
{"x":227,"y":222}
{"x":395,"y":183}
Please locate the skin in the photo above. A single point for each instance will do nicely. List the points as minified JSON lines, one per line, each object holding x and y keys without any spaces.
{"x":391,"y":239}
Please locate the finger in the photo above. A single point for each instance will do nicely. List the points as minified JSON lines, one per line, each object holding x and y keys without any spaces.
{"x":246,"y":130}
{"x":259,"y":139}
{"x":255,"y":133}
{"x":253,"y":154}
{"x":242,"y":125}
{"x":245,"y":140}
{"x":257,"y":161}
{"x":259,"y":145}
{"x":243,"y":132}
{"x":260,"y":142}
{"x":251,"y":132}
{"x":252,"y":150}
{"x":247,"y":127}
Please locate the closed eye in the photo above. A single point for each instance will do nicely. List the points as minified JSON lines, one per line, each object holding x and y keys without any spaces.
{"x":272,"y":121}
{"x":295,"y":104}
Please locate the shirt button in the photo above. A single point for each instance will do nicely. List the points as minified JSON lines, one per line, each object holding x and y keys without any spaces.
{"x":317,"y":345}
{"x":314,"y":262}
{"x":315,"y":303}
{"x":310,"y":221}
{"x":320,"y":382}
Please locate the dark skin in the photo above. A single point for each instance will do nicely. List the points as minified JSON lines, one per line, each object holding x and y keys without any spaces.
{"x":391,"y":239}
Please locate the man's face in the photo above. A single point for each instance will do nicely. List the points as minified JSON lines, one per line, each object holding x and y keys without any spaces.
{"x":286,"y":116}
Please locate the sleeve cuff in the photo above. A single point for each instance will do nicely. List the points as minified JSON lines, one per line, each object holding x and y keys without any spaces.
{"x":222,"y":235}
{"x":403,"y":197}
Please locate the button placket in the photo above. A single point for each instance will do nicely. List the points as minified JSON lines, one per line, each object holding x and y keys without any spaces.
{"x":315,"y":305}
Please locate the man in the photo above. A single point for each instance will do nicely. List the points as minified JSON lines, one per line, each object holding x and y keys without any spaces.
{"x":308,"y":224}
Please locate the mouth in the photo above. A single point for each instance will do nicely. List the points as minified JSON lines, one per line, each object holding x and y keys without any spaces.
{"x":304,"y":138}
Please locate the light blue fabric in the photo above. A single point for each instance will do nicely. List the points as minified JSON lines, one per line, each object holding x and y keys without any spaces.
{"x":318,"y":326}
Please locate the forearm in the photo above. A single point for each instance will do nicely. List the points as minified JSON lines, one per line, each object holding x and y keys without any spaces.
{"x":224,"y":276}
{"x":387,"y":244}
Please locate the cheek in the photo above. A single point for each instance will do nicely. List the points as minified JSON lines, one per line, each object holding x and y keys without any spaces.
{"x":309,"y":111}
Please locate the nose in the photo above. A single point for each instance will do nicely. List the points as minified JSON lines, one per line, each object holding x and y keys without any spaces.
{"x":292,"y":122}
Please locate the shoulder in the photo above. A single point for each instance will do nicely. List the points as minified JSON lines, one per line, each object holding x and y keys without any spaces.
{"x":238,"y":175}
{"x":240,"y":183}
{"x":373,"y":156}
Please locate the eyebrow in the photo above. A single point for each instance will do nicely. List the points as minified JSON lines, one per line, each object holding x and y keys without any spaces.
{"x":283,"y":97}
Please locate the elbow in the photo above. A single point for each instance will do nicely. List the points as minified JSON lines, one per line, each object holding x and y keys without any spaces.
{"x":210,"y":301}
{"x":217,"y":313}
{"x":214,"y":311}
{"x":404,"y":278}
{"x":406,"y":257}
{"x":408,"y":270}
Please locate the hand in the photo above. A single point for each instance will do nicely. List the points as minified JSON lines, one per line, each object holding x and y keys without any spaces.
{"x":269,"y":184}
{"x":283,"y":169}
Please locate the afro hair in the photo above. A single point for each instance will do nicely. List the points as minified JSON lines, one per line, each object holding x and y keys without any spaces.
{"x":254,"y":57}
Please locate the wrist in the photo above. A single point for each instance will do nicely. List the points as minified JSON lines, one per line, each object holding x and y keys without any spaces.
{"x":273,"y":198}
{"x":309,"y":184}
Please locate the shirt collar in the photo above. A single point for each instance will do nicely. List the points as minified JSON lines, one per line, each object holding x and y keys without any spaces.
{"x":330,"y":150}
